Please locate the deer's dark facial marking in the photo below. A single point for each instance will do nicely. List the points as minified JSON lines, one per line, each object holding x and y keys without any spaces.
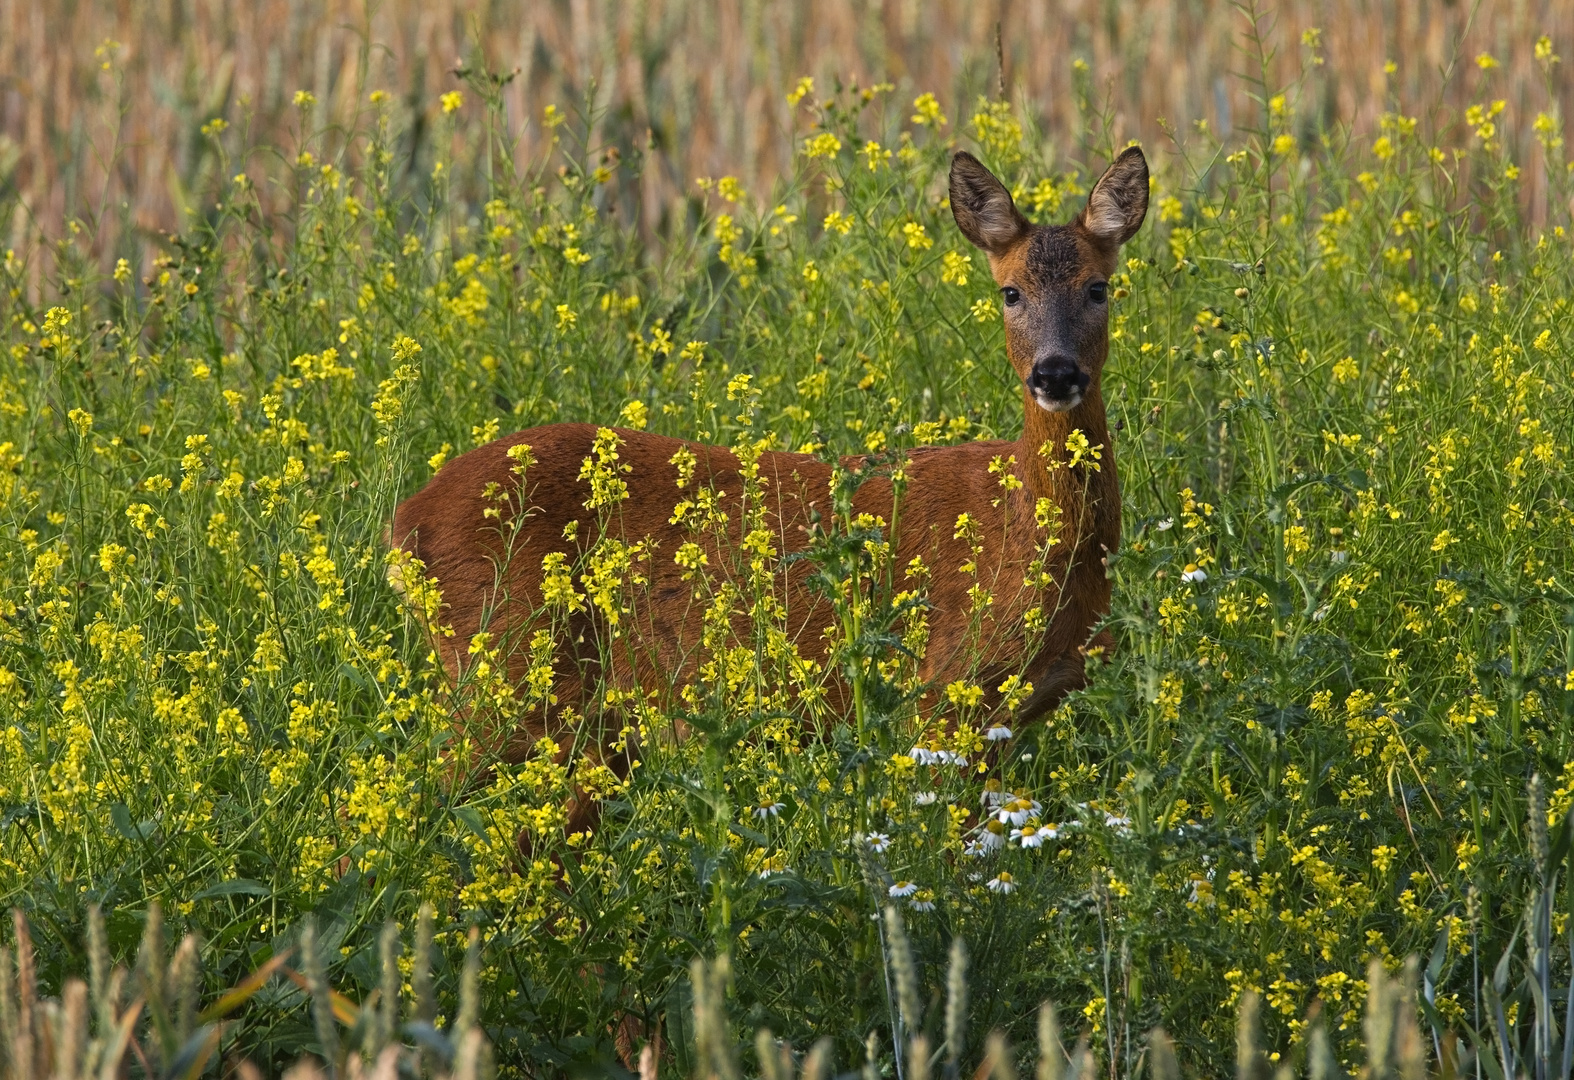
{"x":1062,"y":325}
{"x":1053,"y":279}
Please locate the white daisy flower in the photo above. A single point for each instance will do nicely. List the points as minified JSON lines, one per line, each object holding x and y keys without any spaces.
{"x":950,"y":757}
{"x":923,"y":900}
{"x":878,"y":842}
{"x":992,"y":835}
{"x":1018,"y":810}
{"x":769,"y":810}
{"x":1001,"y":883}
{"x":1032,"y":836}
{"x":1193,"y":572}
{"x":925,"y":798}
{"x":998,"y":733}
{"x":1165,"y":526}
{"x":903,"y":888}
{"x":776,"y":864}
{"x":993,"y":796}
{"x":924,"y":756}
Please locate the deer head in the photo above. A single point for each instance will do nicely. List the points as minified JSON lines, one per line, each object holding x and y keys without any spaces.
{"x":1054,"y":279}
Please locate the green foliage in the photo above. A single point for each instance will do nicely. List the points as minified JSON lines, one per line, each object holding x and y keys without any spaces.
{"x":1340,"y":384}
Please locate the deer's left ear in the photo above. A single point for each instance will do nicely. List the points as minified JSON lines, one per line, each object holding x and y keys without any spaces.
{"x":1119,"y":200}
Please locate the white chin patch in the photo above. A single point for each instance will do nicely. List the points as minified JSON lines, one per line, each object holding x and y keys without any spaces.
{"x":1049,"y":404}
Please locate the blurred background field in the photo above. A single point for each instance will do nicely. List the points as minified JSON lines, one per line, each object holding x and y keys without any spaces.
{"x":102,"y":103}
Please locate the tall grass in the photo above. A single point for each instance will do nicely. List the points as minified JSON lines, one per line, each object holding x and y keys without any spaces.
{"x":1340,"y":391}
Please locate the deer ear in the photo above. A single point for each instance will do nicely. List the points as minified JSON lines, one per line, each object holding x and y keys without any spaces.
{"x":982,"y":206}
{"x":1119,"y":200}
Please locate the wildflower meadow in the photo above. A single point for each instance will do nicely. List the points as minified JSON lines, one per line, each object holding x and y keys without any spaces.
{"x":1333,"y":731}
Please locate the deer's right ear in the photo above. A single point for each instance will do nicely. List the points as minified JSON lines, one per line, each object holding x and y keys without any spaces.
{"x":982,"y":206}
{"x":1119,"y":201}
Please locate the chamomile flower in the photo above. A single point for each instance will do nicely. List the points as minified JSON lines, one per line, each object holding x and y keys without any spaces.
{"x":1032,"y":836}
{"x":1193,"y":572}
{"x":769,"y":810}
{"x":998,"y":733}
{"x":878,"y":842}
{"x":776,"y":864}
{"x":1002,"y":883}
{"x":923,"y":900}
{"x":1018,"y":810}
{"x":993,"y":794}
{"x":925,"y":798}
{"x":993,"y":835}
{"x":903,"y":888}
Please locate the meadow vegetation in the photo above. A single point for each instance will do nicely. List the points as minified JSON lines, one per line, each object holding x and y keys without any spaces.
{"x":1340,"y":389}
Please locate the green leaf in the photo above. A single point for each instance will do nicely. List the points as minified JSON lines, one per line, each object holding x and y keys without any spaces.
{"x":235,"y":887}
{"x":137,"y":833}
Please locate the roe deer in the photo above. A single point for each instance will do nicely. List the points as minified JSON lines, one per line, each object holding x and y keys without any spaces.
{"x":1054,"y":283}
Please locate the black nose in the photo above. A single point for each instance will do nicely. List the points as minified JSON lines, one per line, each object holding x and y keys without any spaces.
{"x":1057,"y":378}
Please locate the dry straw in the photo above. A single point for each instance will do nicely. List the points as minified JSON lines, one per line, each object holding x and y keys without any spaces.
{"x":103,"y":107}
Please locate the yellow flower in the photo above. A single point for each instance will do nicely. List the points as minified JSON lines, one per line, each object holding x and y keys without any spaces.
{"x":1082,"y":453}
{"x":804,"y":88}
{"x":305,"y":99}
{"x":1485,"y":61}
{"x":917,"y":238}
{"x":926,"y":111}
{"x":964,"y":694}
{"x":451,"y":101}
{"x":636,"y":414}
{"x":822,"y":145}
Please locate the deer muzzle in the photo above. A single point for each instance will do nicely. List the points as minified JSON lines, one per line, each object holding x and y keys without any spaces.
{"x":1057,"y":383}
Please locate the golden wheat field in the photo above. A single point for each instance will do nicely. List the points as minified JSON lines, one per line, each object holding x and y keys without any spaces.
{"x":102,"y":103}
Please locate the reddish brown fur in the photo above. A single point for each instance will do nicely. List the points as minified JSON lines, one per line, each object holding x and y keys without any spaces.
{"x":444,"y":526}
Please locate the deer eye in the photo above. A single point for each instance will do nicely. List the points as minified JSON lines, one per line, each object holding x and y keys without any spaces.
{"x":1097,"y":291}
{"x":1013,"y":298}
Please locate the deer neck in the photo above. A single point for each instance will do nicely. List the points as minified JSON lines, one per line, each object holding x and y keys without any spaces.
{"x":1084,"y":493}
